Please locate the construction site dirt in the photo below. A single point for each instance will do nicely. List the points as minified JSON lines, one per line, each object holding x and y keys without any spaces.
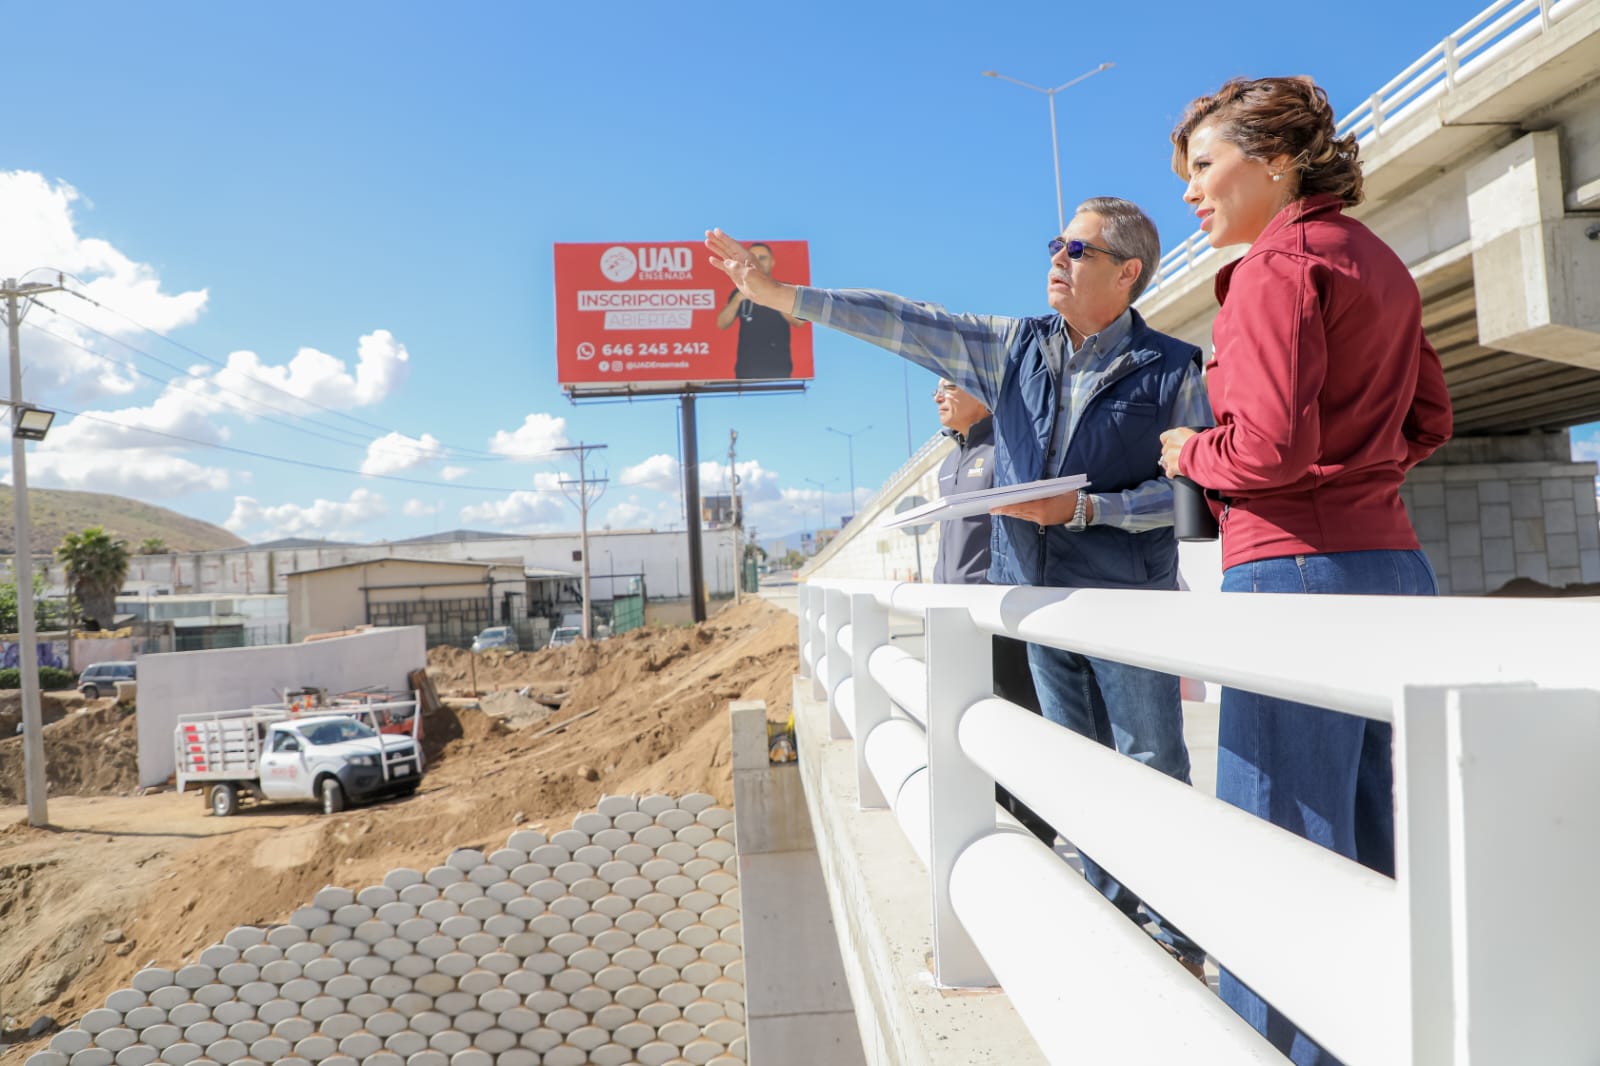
{"x":119,"y":880}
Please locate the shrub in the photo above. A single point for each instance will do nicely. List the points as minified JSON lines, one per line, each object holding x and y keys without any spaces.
{"x":50,"y":677}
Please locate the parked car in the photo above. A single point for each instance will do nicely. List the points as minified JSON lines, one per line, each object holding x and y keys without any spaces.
{"x":100,"y":679}
{"x":565,"y":635}
{"x":495,"y":637}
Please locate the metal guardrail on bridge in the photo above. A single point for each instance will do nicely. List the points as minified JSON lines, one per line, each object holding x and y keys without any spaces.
{"x":1457,"y":58}
{"x":1476,"y":952}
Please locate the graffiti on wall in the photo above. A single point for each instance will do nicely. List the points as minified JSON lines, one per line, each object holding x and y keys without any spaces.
{"x":51,"y":653}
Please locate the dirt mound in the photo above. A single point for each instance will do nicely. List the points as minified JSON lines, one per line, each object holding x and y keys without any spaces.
{"x":53,"y":706}
{"x":93,"y":752}
{"x":134,"y":880}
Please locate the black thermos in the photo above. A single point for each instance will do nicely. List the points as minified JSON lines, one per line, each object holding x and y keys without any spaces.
{"x":1191,"y":512}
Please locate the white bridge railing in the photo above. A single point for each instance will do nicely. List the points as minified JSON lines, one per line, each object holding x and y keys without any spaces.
{"x":1471,"y":48}
{"x":1478,"y":951}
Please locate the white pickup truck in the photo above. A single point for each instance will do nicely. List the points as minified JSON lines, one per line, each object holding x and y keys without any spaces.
{"x":336,"y":756}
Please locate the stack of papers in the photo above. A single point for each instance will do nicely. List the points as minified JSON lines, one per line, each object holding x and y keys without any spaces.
{"x":982,"y":501}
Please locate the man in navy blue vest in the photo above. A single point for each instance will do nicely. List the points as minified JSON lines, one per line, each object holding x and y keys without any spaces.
{"x":1086,"y":390}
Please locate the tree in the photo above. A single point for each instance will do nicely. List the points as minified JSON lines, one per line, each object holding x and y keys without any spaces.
{"x":96,"y":566}
{"x":154,"y":546}
{"x":8,"y":604}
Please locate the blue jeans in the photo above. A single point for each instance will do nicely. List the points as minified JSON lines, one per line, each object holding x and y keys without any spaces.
{"x":1322,"y":775}
{"x":1135,"y":711}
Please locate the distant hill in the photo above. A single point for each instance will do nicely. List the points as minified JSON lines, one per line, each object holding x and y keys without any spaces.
{"x":53,"y":513}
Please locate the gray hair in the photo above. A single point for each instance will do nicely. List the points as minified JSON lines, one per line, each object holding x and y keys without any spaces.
{"x":1128,"y":232}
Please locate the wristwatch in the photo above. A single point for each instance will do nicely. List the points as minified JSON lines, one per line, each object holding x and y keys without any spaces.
{"x":1080,"y":515}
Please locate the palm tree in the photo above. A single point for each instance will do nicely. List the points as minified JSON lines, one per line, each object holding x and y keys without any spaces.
{"x":96,"y":566}
{"x":154,"y":546}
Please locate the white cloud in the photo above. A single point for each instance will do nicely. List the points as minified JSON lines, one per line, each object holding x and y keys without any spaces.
{"x":755,"y":483}
{"x":629,"y":514}
{"x":662,"y":473}
{"x":142,"y":473}
{"x":418,"y":509}
{"x":536,"y":438}
{"x":520,"y":510}
{"x":1586,"y":450}
{"x":40,"y":225}
{"x":340,"y":520}
{"x":659,"y":472}
{"x":180,"y":411}
{"x":454,"y":473}
{"x":317,"y":376}
{"x":394,"y":452}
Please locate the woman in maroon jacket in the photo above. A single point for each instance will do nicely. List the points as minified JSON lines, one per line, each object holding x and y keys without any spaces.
{"x":1326,"y":393}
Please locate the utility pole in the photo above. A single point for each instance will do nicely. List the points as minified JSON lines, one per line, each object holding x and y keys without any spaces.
{"x":584,"y":500}
{"x":22,"y":568}
{"x":738,"y":517}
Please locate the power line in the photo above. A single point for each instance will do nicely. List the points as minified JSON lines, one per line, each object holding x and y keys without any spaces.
{"x":292,"y":462}
{"x":363,"y":439}
{"x":463,"y":451}
{"x":464,"y":454}
{"x":362,"y":443}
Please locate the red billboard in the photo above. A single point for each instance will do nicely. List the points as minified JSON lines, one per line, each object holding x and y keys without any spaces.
{"x":642,"y":317}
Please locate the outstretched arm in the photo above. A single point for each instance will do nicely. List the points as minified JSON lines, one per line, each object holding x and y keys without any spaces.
{"x":970,"y":350}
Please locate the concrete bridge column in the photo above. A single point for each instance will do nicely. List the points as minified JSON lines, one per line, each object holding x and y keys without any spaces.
{"x":1490,"y":509}
{"x":1536,"y":268}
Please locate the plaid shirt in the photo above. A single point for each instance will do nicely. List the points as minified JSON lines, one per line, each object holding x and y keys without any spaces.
{"x":971,"y":351}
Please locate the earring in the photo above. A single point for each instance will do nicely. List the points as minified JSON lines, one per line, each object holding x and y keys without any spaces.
{"x":1277,"y":177}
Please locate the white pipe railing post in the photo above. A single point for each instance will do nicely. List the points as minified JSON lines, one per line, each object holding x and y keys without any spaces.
{"x":960,"y":795}
{"x":836,"y":618}
{"x":803,"y":624}
{"x":819,"y":662}
{"x":1422,"y":868}
{"x":869,"y":630}
{"x":1524,"y":818}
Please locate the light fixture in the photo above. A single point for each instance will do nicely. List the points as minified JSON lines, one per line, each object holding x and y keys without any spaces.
{"x":31,"y":423}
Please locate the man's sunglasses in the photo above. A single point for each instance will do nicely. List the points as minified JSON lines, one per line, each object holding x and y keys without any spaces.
{"x":1076,"y":248}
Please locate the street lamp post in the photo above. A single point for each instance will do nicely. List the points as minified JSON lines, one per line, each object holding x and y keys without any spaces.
{"x":1055,"y":149}
{"x":850,"y":450}
{"x":822,"y":501}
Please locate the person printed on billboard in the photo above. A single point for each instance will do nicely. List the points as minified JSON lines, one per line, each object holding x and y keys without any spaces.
{"x":763,"y":332}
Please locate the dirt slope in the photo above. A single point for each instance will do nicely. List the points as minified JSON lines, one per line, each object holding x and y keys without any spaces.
{"x":119,"y":881}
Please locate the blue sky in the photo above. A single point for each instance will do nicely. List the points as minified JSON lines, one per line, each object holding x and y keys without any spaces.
{"x":356,"y":203}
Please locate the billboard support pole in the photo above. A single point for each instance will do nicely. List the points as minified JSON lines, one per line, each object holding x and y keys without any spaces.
{"x":691,"y":506}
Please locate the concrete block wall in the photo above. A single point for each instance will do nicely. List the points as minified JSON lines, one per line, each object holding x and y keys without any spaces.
{"x":1490,"y":509}
{"x":617,"y":942}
